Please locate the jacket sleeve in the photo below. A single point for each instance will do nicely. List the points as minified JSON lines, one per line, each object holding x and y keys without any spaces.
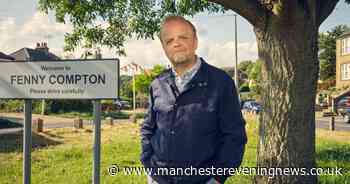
{"x":232,"y":130}
{"x":147,"y":130}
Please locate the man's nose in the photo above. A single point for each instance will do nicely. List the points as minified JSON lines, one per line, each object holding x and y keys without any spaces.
{"x":177,"y":43}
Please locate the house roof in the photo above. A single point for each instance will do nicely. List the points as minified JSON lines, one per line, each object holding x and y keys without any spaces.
{"x":340,"y":95}
{"x":27,"y":54}
{"x":346,"y":34}
{"x":4,"y":57}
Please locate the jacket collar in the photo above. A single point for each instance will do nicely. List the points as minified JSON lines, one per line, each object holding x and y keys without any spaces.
{"x":200,"y":79}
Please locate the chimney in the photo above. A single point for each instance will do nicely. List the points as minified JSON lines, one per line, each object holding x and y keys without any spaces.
{"x":42,"y":47}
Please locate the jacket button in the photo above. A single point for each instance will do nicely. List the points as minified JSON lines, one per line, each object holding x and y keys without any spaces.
{"x":172,"y":132}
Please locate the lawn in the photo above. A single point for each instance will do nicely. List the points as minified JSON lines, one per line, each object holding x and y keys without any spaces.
{"x":65,"y":155}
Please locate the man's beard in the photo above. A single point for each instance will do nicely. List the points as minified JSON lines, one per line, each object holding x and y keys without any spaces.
{"x":180,"y":58}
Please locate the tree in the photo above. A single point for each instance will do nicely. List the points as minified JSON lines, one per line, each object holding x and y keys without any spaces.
{"x":143,"y":81}
{"x":327,"y":53}
{"x":286,"y":33}
{"x":245,"y":66}
{"x":126,"y":86}
{"x":254,"y":74}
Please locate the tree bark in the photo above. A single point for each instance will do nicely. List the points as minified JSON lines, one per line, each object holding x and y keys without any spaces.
{"x":287,"y":123}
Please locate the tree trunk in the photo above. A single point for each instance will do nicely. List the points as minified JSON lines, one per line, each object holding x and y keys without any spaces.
{"x":287,"y":123}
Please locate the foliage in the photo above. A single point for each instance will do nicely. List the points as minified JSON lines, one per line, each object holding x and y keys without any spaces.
{"x":112,"y":22}
{"x":254,"y":75}
{"x":142,"y":100}
{"x":244,"y":88}
{"x":327,"y":53}
{"x":143,"y":81}
{"x":89,"y":116}
{"x":62,"y":106}
{"x":52,"y":106}
{"x":245,"y":66}
{"x":255,"y":71}
{"x":126,"y":86}
{"x":12,"y":106}
{"x":18,"y":106}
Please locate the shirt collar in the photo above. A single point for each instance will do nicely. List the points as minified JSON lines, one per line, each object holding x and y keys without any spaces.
{"x":189,"y":73}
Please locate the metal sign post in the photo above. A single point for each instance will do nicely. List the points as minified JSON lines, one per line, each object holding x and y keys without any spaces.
{"x":97,"y":142}
{"x":27,"y":141}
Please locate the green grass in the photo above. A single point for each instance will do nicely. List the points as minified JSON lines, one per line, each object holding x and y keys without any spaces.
{"x":333,"y":153}
{"x":65,"y":155}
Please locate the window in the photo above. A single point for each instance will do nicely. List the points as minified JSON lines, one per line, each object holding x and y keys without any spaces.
{"x":345,"y":71}
{"x":345,"y":46}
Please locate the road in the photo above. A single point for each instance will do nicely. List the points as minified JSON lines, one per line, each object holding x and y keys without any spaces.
{"x":340,"y":125}
{"x":322,"y":123}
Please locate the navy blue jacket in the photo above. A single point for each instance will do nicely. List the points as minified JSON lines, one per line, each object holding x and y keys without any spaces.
{"x":200,"y":127}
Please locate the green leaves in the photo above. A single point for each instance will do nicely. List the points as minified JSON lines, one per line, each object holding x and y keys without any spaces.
{"x":111,"y":22}
{"x":143,"y":81}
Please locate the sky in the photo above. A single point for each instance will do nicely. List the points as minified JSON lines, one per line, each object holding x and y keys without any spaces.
{"x":22,"y":25}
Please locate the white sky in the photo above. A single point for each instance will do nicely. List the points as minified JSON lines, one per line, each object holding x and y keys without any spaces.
{"x":22,"y":25}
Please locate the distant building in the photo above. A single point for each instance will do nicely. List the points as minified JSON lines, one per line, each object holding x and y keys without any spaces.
{"x":343,"y":61}
{"x":40,"y":53}
{"x":4,"y":57}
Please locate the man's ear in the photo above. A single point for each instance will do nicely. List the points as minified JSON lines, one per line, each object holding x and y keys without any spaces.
{"x":195,"y":42}
{"x":161,"y":42}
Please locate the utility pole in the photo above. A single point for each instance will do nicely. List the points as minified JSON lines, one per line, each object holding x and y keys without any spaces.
{"x":236,"y":58}
{"x":134,"y":92}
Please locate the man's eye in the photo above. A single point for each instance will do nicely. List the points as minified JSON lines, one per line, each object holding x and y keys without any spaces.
{"x":168,"y":42}
{"x":183,"y":37}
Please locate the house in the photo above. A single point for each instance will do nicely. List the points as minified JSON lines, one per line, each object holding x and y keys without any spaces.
{"x":40,"y":53}
{"x":343,"y":61}
{"x":4,"y":57}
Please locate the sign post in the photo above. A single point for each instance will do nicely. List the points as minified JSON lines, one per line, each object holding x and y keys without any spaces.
{"x":27,"y":141}
{"x":97,"y":141}
{"x":68,"y":79}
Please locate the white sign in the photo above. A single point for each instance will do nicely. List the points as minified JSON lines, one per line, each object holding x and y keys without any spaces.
{"x":92,"y":79}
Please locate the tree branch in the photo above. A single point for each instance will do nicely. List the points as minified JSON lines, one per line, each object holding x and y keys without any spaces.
{"x":325,"y":9}
{"x":252,"y":10}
